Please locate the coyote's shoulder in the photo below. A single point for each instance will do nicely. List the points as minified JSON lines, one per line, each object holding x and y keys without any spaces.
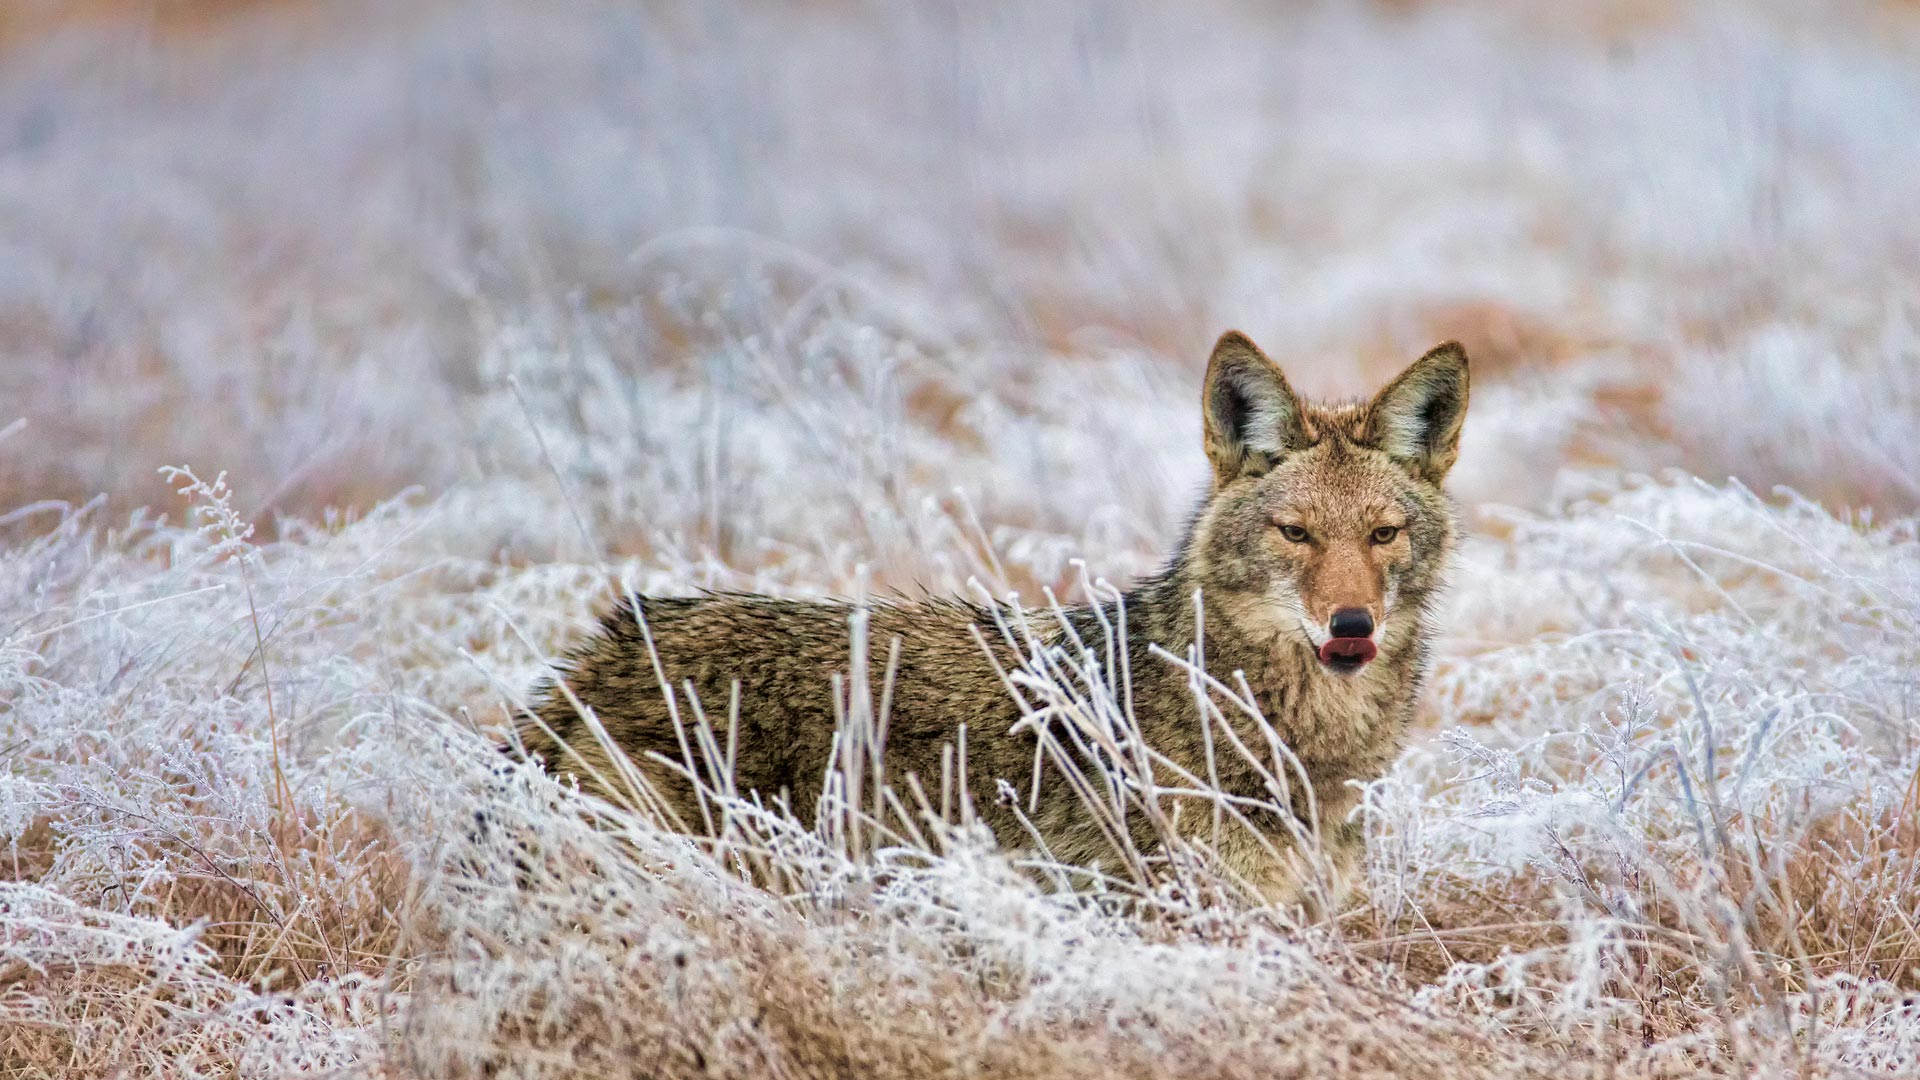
{"x":1315,"y":557}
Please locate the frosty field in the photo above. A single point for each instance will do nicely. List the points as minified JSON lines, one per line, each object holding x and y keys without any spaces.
{"x":458,"y":315}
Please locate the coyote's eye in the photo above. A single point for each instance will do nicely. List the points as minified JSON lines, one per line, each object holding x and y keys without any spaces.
{"x":1294,"y":533}
{"x":1385,"y":534}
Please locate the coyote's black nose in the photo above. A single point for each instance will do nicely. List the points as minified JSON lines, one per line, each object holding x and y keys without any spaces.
{"x":1351,"y":622}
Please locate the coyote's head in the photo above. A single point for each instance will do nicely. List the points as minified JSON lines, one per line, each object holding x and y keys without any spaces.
{"x":1326,"y":526}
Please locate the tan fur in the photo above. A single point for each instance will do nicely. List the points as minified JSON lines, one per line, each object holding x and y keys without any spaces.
{"x":1337,"y":472}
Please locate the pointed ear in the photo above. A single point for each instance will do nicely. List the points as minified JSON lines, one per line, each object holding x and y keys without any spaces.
{"x":1250,"y":414}
{"x":1417,"y":418}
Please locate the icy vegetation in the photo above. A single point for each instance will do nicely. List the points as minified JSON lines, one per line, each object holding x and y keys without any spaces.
{"x":352,"y":356}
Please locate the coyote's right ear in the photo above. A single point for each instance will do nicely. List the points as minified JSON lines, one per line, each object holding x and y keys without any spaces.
{"x":1251,"y":416}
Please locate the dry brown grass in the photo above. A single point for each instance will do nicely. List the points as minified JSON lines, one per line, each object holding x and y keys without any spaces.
{"x":170,"y":21}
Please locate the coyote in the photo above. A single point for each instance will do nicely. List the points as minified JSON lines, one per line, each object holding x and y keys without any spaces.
{"x":1317,"y":554}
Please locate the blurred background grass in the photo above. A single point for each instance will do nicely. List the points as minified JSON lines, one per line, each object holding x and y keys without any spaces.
{"x":297,"y":237}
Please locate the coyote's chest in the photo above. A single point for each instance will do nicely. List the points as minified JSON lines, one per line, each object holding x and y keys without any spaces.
{"x":1339,"y":727}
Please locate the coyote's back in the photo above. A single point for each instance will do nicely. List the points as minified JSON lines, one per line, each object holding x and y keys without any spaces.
{"x":1316,"y":555}
{"x":762,"y":672}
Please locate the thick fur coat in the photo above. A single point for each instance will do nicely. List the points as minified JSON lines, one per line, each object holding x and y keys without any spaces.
{"x":1316,"y":516}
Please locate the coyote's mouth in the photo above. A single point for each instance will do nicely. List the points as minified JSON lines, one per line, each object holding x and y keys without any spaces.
{"x":1347,"y":654}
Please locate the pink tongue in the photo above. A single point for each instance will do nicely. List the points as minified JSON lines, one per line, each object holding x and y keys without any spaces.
{"x":1347,"y":648}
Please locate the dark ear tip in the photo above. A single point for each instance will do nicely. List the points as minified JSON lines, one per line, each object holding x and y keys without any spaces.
{"x":1234,"y":339}
{"x":1450,"y":351}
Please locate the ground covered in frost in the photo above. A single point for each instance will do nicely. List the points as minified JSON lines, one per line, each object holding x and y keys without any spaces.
{"x":455,"y":314}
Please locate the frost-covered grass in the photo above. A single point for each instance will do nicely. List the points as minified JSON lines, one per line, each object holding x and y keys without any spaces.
{"x":482,"y":308}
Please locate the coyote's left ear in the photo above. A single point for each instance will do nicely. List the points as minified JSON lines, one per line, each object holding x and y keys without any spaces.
{"x":1417,"y":418}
